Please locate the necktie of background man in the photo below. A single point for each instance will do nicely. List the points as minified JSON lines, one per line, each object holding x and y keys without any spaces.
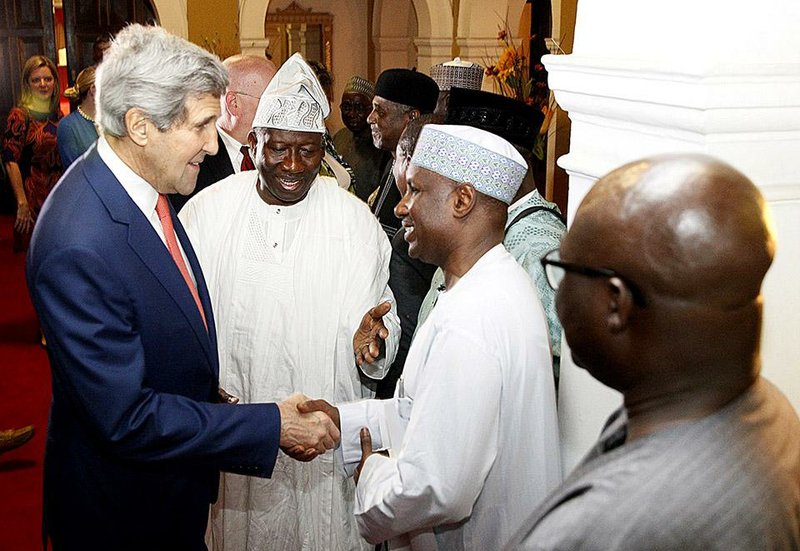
{"x":247,"y":162}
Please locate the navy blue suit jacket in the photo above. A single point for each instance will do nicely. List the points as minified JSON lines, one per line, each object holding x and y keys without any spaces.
{"x":136,"y":440}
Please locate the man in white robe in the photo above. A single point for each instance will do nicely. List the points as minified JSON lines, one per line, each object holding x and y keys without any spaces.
{"x":292,"y":263}
{"x":472,"y":430}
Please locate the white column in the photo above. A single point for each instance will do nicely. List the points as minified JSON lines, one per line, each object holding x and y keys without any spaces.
{"x":718,"y":77}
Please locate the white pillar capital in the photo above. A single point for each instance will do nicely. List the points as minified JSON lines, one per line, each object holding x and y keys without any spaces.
{"x":644,"y":79}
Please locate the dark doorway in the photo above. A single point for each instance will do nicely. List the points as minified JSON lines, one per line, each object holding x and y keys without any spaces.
{"x":85,"y":20}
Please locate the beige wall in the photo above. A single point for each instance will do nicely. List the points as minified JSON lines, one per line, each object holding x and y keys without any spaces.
{"x":214,"y":25}
{"x":172,"y":16}
{"x":406,"y":33}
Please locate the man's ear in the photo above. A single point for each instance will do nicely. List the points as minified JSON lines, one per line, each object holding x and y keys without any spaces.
{"x":252,"y":141}
{"x":620,"y":305}
{"x":413,"y":114}
{"x":138,"y":125}
{"x":464,"y":200}
{"x":231,"y":102}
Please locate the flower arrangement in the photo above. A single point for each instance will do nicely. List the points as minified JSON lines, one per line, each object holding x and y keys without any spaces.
{"x":514,"y":77}
{"x":511,"y":72}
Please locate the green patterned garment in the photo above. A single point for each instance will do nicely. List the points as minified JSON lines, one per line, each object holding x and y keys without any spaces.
{"x":528,"y":241}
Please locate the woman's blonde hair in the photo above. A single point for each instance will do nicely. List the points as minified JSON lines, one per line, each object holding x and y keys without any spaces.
{"x":83,"y":83}
{"x":33,"y":63}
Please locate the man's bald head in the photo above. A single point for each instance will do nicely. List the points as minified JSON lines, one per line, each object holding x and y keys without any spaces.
{"x":690,"y":235}
{"x":249,"y":76}
{"x":690,"y":227}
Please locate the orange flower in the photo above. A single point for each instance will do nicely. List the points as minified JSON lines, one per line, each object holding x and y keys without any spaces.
{"x":508,"y":59}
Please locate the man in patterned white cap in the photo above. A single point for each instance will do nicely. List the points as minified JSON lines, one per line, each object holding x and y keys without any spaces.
{"x":472,"y":431}
{"x":455,"y":74}
{"x":249,"y":76}
{"x":354,"y":142}
{"x":292,"y":262}
{"x":535,"y":226}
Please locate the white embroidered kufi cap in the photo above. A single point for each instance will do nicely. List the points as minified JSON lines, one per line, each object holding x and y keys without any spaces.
{"x":472,"y":156}
{"x":457,"y":74}
{"x":293,"y":100}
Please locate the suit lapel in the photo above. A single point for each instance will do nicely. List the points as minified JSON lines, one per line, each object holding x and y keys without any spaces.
{"x":202,"y":288}
{"x":147,"y":245}
{"x":225,"y":165}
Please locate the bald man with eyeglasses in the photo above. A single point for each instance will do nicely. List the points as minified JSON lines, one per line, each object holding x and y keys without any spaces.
{"x":659,"y":292}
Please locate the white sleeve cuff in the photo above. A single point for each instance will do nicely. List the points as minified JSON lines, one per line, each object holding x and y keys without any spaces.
{"x":352,"y":417}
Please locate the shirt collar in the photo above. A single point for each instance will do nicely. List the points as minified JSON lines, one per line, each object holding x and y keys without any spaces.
{"x":521,"y":200}
{"x":229,"y":140}
{"x":140,"y":191}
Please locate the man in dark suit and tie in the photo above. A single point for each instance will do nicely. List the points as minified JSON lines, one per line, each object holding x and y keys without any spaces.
{"x":249,"y":76}
{"x":137,"y":432}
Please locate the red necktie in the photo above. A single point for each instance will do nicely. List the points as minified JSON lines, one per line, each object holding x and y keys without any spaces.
{"x":162,"y":209}
{"x":247,"y":162}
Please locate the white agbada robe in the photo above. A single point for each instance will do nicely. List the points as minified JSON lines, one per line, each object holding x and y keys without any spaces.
{"x":289,"y":286}
{"x":481,"y":446}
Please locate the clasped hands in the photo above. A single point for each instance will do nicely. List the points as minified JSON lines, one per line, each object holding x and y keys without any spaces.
{"x":305,"y":434}
{"x":311,"y":427}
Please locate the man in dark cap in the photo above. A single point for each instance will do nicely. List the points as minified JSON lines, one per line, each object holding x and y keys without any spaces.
{"x":534,"y":225}
{"x":401,"y":95}
{"x":659,"y":291}
{"x":409,"y":277}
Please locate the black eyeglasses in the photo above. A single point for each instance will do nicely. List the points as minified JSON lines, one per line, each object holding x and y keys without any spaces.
{"x":555,"y":270}
{"x":238,"y":93}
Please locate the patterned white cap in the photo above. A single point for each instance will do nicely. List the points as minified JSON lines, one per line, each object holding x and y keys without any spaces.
{"x":457,"y":74}
{"x":471,"y":156}
{"x":293,"y":100}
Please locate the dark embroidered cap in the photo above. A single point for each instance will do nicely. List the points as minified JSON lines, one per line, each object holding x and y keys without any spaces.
{"x":506,"y":117}
{"x":408,"y":87}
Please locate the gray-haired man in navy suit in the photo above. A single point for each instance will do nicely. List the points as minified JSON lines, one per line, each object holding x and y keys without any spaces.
{"x":137,"y":434}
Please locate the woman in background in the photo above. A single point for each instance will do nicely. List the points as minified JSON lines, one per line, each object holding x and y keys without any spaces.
{"x":76,"y":132}
{"x":29,"y":148}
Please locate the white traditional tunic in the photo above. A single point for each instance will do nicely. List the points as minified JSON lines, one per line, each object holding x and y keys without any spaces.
{"x":289,"y":286}
{"x":481,"y":444}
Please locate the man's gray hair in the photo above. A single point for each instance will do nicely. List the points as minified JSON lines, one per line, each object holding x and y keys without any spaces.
{"x":155,"y":71}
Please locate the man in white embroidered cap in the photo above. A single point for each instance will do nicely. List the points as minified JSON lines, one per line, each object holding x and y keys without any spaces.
{"x":472,"y":431}
{"x":292,"y":263}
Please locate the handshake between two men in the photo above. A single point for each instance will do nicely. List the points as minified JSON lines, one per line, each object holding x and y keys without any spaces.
{"x":311,"y":427}
{"x":305,"y":435}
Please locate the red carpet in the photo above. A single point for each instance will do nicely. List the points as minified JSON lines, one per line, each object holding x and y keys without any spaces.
{"x":24,"y":400}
